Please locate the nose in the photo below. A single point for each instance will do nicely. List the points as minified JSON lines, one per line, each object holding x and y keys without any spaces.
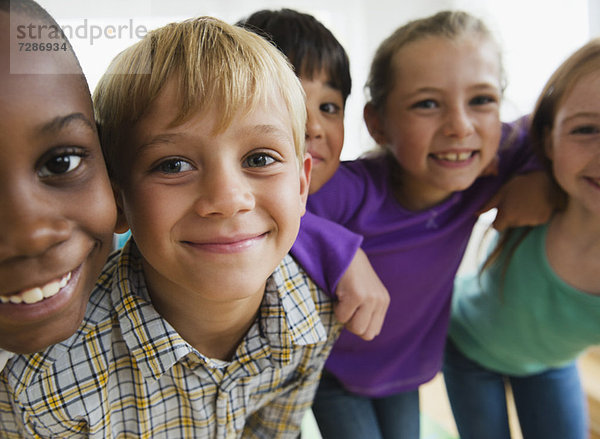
{"x":458,"y":123}
{"x":224,"y":193}
{"x":314,"y":129}
{"x":31,"y":223}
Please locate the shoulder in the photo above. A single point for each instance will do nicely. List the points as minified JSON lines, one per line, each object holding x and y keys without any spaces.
{"x":305,"y":304}
{"x":355,"y":183}
{"x":371,"y":165}
{"x":515,"y":149}
{"x":294,"y":279}
{"x":517,"y":129}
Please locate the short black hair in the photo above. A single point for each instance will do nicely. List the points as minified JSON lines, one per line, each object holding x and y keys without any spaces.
{"x":27,"y":7}
{"x":307,"y":43}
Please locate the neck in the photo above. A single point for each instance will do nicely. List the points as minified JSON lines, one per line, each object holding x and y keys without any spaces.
{"x":413,"y":196}
{"x":573,"y":248}
{"x":414,"y":199}
{"x":578,"y":226}
{"x":213,"y":327}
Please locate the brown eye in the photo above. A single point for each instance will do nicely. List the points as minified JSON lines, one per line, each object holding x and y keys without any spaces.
{"x":330,"y":108}
{"x":60,"y":164}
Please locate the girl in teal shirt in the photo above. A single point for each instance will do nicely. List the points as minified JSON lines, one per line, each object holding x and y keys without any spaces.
{"x":536,"y":305}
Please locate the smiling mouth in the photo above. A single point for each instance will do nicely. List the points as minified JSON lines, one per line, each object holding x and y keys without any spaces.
{"x":454,"y":156}
{"x":39,"y":293}
{"x":228,"y":245}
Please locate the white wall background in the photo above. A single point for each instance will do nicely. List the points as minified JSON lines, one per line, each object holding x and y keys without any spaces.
{"x":536,"y":35}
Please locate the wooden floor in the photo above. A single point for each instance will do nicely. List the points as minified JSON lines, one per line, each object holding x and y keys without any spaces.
{"x":589,"y":367}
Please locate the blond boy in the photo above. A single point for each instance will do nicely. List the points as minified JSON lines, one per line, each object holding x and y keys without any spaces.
{"x":203,"y":325}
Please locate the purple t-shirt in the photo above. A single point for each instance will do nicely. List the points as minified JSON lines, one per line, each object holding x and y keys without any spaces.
{"x":325,"y":249}
{"x":416,"y":255}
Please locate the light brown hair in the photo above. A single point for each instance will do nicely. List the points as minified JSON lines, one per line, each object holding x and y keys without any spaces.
{"x":581,"y":63}
{"x":446,"y":24}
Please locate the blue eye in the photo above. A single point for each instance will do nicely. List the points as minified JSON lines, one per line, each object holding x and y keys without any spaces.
{"x":585,"y":129}
{"x":483,"y":100}
{"x":426,"y":104}
{"x":60,"y":164}
{"x":173,"y":166}
{"x":258,"y":160}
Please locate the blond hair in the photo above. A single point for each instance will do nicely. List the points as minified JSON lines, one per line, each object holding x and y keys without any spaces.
{"x":216,"y":65}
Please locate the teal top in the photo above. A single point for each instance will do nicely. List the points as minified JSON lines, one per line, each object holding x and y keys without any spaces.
{"x":536,"y":322}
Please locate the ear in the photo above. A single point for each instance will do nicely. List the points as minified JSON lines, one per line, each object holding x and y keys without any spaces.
{"x":122,"y":225}
{"x":305,"y":169}
{"x":374,"y":123}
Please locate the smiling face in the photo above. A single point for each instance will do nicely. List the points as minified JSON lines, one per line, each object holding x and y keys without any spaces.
{"x":324,"y":128}
{"x":58,"y":211}
{"x":575,"y":144}
{"x":213,"y":214}
{"x":441,"y":119}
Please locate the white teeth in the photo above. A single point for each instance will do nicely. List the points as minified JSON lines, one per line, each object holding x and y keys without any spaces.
{"x":65,"y":279}
{"x":37,"y":294}
{"x":454,"y":156}
{"x":32,"y":295}
{"x":450,"y":157}
{"x":51,"y":289}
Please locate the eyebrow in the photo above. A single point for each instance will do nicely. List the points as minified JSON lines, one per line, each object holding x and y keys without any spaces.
{"x":584,"y":114}
{"x":60,"y":122}
{"x":478,"y":86}
{"x":266,"y":129}
{"x":161,"y":139}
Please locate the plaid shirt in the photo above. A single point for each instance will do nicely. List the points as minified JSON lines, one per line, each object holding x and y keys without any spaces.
{"x":4,"y":356}
{"x":127,"y":373}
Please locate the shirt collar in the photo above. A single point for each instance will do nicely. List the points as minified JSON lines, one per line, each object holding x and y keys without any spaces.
{"x":4,"y":357}
{"x":151,"y":340}
{"x":24,"y":369}
{"x":287,"y":317}
{"x":288,"y":313}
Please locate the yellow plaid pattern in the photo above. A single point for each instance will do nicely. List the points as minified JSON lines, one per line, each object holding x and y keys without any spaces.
{"x":127,"y":373}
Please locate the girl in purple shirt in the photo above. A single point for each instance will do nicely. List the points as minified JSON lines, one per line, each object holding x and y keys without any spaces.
{"x":435,"y":91}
